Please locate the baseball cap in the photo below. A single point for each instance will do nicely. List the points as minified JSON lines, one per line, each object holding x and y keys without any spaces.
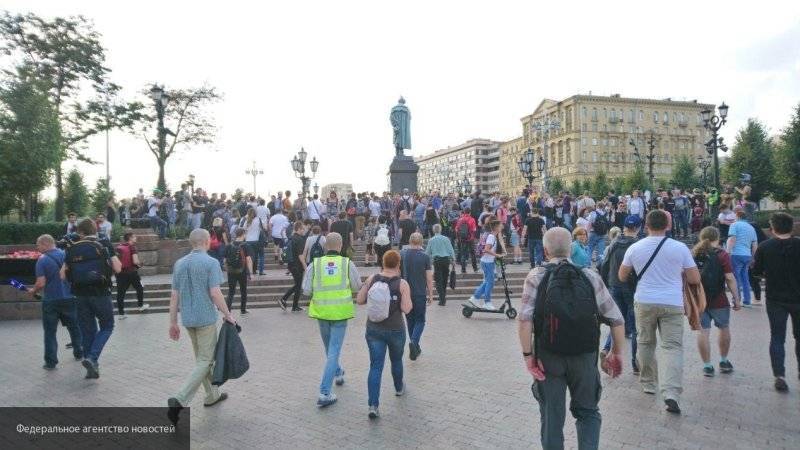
{"x":633,"y":221}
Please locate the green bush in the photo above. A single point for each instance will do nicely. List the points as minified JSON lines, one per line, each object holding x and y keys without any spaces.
{"x":26,"y":233}
{"x":761,"y":218}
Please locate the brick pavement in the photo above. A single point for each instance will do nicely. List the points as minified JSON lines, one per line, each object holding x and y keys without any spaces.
{"x":468,"y":389}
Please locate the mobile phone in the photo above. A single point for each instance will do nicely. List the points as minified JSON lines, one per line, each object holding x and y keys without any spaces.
{"x":16,"y":284}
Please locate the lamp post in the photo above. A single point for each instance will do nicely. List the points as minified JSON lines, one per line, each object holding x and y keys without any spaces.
{"x":299,"y":168}
{"x":704,"y":164}
{"x":316,"y":188}
{"x":161,"y":100}
{"x":190,"y":182}
{"x":713,"y":123}
{"x":254,"y":172}
{"x":464,"y":186}
{"x":651,"y":144}
{"x":526,"y":166}
{"x":544,"y":127}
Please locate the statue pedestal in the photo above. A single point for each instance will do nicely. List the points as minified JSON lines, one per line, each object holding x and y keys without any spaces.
{"x":403,"y":174}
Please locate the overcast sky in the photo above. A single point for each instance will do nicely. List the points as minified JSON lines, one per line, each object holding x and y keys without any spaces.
{"x":324,"y":74}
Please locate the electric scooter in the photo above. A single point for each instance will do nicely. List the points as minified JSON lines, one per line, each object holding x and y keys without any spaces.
{"x":505,"y":308}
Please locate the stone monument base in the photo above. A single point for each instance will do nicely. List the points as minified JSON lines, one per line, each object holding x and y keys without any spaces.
{"x":403,"y":174}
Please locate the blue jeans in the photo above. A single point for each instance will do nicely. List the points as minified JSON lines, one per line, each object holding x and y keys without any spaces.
{"x":378,"y":341}
{"x":196,"y":220}
{"x":681,"y":221}
{"x":159,"y":225}
{"x":568,"y":221}
{"x":741,"y":269}
{"x":536,"y":252}
{"x":777,"y":313}
{"x":415,"y":320}
{"x":94,"y":310}
{"x":485,"y":289}
{"x":219,"y":254}
{"x":65,"y":311}
{"x":623,"y":297}
{"x":597,"y":242}
{"x":257,"y":251}
{"x":332,"y":333}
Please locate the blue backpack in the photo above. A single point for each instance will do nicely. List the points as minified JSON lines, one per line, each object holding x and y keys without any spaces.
{"x":88,"y":264}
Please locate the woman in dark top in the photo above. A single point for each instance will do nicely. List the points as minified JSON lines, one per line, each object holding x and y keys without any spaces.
{"x":389,"y":333}
{"x":431,"y":219}
{"x":219,"y":240}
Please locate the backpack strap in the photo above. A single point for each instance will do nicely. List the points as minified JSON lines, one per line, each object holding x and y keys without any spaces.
{"x":541,"y":292}
{"x":652,"y":257}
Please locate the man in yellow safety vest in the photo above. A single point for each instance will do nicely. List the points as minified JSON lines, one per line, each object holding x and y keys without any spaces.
{"x":330,"y":280}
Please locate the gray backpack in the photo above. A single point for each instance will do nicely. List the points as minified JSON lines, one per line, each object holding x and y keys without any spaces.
{"x":380,"y":300}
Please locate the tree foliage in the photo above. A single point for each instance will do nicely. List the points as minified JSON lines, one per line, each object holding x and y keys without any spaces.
{"x":76,"y":194}
{"x":751,"y":154}
{"x":636,"y":179}
{"x":600,"y":185}
{"x":575,"y":187}
{"x":188,"y":122}
{"x":29,"y":143}
{"x":100,"y":196}
{"x":67,"y":55}
{"x":684,"y":174}
{"x":784,"y":180}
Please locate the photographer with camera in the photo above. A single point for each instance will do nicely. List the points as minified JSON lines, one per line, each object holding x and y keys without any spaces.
{"x":129,"y":275}
{"x":88,"y":266}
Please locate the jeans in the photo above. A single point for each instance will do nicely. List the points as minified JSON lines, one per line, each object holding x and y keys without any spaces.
{"x":204,"y":340}
{"x":741,"y":270}
{"x":332,"y":333}
{"x":579,"y":374}
{"x":379,"y":252}
{"x":257,"y":252}
{"x":485,"y":289}
{"x":124,"y":281}
{"x":158,"y":224}
{"x":466,"y":249}
{"x":597,"y":242}
{"x":415,"y":320}
{"x":441,"y":273}
{"x":219,"y":254}
{"x":65,"y":311}
{"x":196,"y":220}
{"x":668,"y":322}
{"x":567,"y":221}
{"x":777,"y":314}
{"x":536,"y":252}
{"x":378,"y":340}
{"x":91,"y":311}
{"x":681,"y":221}
{"x":623,"y":297}
{"x":241,"y":279}
{"x":297,"y":288}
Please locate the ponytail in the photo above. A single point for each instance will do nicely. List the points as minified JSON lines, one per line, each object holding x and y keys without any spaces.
{"x":708,"y":236}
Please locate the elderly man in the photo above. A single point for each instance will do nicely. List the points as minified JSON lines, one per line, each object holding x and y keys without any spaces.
{"x":440,"y":248}
{"x":567,"y":358}
{"x":196,"y":280}
{"x":57,"y":301}
{"x":330,"y":280}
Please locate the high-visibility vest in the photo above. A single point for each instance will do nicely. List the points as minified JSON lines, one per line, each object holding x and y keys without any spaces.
{"x":331,"y":297}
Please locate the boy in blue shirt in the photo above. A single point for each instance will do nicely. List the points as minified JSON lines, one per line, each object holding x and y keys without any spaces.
{"x":742,"y":244}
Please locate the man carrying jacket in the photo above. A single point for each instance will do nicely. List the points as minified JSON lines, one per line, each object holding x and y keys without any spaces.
{"x":330,"y":281}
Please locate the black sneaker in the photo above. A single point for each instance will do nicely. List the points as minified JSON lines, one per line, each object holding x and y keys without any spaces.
{"x":49,"y":367}
{"x":296,"y":309}
{"x":244,"y":312}
{"x":725,"y":367}
{"x":635,"y":369}
{"x":672,"y":406}
{"x":708,"y":371}
{"x":282,"y":303}
{"x":780,"y":384}
{"x":174,"y":410}
{"x":413,"y":351}
{"x":92,"y":370}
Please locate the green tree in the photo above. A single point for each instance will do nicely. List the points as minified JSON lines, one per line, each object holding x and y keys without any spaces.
{"x":187,"y":121}
{"x":684,"y":175}
{"x":784,"y":187}
{"x":636,"y":179}
{"x":600,"y":186}
{"x":67,"y":54}
{"x":790,"y":138}
{"x":29,"y":143}
{"x":100,"y":196}
{"x":751,"y":154}
{"x":575,"y":187}
{"x":76,"y":194}
{"x":555,"y":185}
{"x":586,"y":186}
{"x":618,"y":184}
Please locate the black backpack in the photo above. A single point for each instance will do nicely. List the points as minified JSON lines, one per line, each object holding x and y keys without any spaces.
{"x":611,"y":263}
{"x":316,"y":250}
{"x":235,"y":258}
{"x":712,"y":275}
{"x":89,"y":264}
{"x":600,"y":225}
{"x":463,"y":231}
{"x":566,"y":318}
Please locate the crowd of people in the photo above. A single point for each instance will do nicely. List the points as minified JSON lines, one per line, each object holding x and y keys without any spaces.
{"x":610,"y":260}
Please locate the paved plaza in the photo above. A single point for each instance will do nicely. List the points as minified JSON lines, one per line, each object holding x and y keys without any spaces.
{"x":469,"y":388}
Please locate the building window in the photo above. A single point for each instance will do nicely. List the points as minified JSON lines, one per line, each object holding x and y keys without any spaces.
{"x":699,"y":119}
{"x":594,"y":141}
{"x":584,"y":113}
{"x":583,"y":156}
{"x":605,"y":128}
{"x":655,"y":116}
{"x":583,"y":127}
{"x":594,"y":114}
{"x":613,"y":142}
{"x":594,"y":156}
{"x":605,"y":113}
{"x":666,"y":117}
{"x":605,"y":142}
{"x":583,"y":141}
{"x":594,"y":127}
{"x":641,"y":115}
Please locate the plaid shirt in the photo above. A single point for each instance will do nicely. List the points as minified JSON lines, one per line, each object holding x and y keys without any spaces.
{"x":605,"y":303}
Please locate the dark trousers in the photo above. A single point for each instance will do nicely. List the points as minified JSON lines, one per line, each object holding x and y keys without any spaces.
{"x":93,"y":311}
{"x":297,"y":275}
{"x":124,"y":281}
{"x":66,"y":312}
{"x":623,"y":297}
{"x":441,"y":272}
{"x":777,"y":314}
{"x":379,"y":251}
{"x":578,"y":373}
{"x":467,"y":249}
{"x":416,"y":318}
{"x":240,"y":278}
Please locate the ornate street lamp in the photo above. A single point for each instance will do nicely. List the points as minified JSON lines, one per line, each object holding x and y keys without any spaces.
{"x":713,"y":123}
{"x":316,"y":186}
{"x":545,"y":127}
{"x":254,"y":172}
{"x":704,"y":164}
{"x":299,"y":168}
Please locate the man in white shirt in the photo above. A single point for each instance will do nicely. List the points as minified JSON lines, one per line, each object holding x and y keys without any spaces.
{"x":315,"y":209}
{"x":278,"y":224}
{"x":156,"y":222}
{"x":658,"y":304}
{"x":262,"y":212}
{"x":374,"y":207}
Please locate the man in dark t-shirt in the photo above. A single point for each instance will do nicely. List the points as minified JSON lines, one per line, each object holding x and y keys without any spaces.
{"x":533,"y":231}
{"x":407,"y":227}
{"x":345,"y":228}
{"x":416,"y":268}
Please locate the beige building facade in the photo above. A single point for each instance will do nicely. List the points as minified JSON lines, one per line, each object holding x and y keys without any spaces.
{"x":343,"y":190}
{"x":594,"y":135}
{"x":477,"y":160}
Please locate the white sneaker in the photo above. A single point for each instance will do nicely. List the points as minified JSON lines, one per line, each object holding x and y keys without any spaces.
{"x":488,"y":305}
{"x":475,"y":302}
{"x":144,"y":307}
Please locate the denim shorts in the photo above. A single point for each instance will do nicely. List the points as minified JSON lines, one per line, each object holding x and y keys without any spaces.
{"x":721,"y":317}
